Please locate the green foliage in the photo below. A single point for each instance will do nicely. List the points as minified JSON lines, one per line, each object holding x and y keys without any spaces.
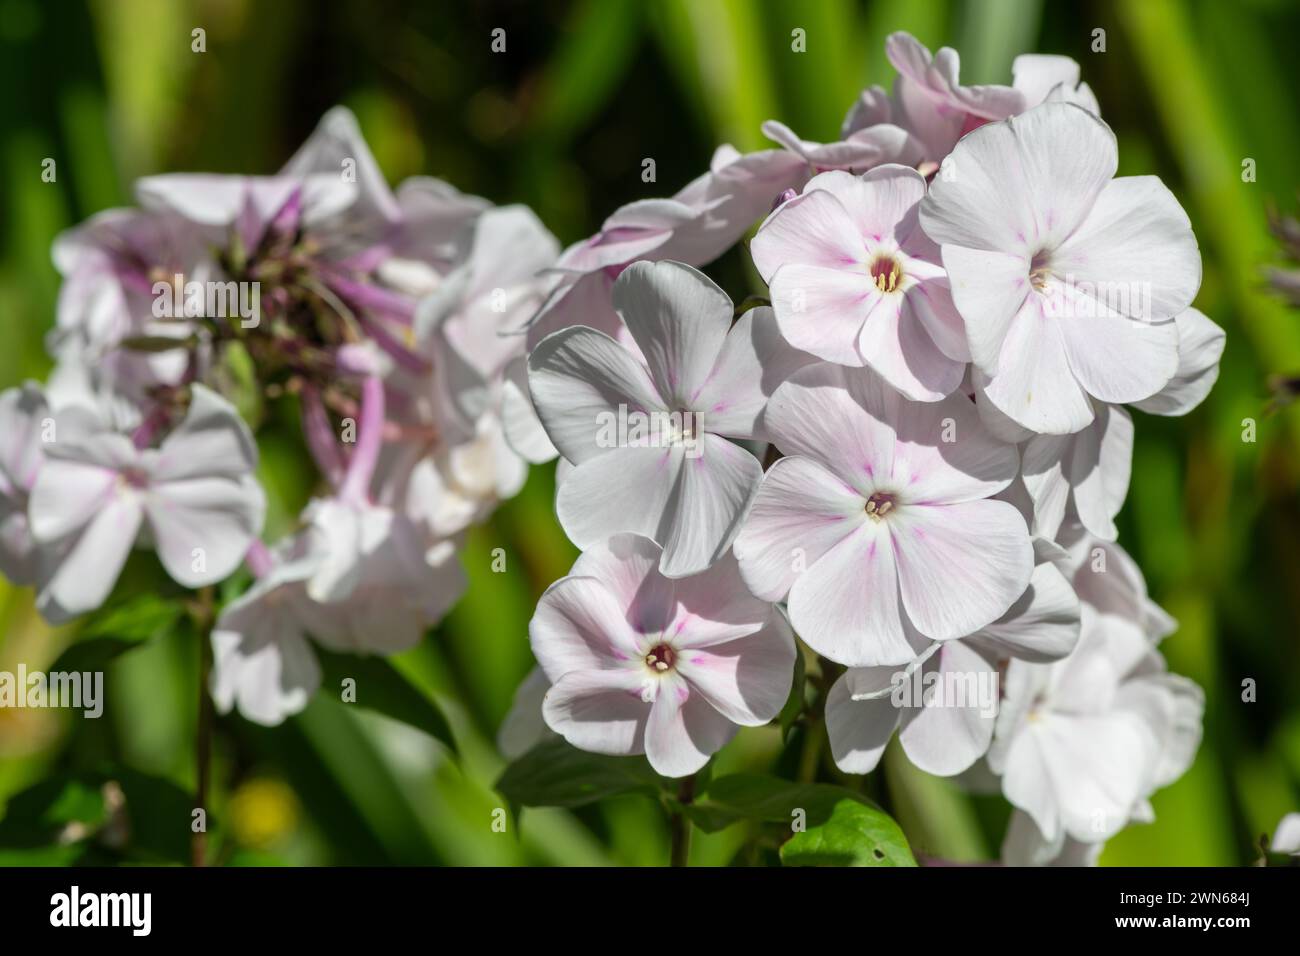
{"x":69,"y":818}
{"x":854,"y":834}
{"x":382,"y":688}
{"x":119,"y":627}
{"x":832,"y":825}
{"x":554,"y":774}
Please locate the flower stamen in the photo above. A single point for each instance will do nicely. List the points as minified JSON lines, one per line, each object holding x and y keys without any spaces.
{"x":661,"y":658}
{"x":879,"y":505}
{"x":1039,"y":272}
{"x":887,"y":274}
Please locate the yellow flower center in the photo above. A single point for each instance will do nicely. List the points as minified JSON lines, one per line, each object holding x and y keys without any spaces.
{"x":887,"y":274}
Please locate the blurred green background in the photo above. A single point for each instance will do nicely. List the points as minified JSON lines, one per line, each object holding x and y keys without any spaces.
{"x":561,"y":121}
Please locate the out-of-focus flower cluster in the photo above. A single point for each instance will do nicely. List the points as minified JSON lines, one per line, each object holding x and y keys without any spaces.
{"x":372,"y":314}
{"x":911,"y":458}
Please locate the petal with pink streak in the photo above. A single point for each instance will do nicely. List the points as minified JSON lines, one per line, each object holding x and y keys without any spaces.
{"x":847,"y":606}
{"x":801,"y":512}
{"x":746,"y":680}
{"x":1035,"y":384}
{"x":683,"y":730}
{"x":897,"y":346}
{"x":813,"y":229}
{"x":755,"y":359}
{"x":580,"y":626}
{"x":820,"y":310}
{"x":600,"y":711}
{"x":838,"y":418}
{"x":960,"y":566}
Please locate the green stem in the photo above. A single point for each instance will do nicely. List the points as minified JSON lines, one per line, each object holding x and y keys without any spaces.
{"x":681,"y":825}
{"x":811,"y":754}
{"x":815,"y":732}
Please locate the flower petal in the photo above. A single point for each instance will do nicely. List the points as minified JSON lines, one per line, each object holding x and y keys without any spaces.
{"x":212,"y":441}
{"x":837,"y":419}
{"x":943,"y":453}
{"x":630,"y":489}
{"x":578,"y":375}
{"x":683,"y":730}
{"x":960,"y":566}
{"x":709,"y":502}
{"x":202,"y":527}
{"x":1024,"y":184}
{"x":1135,"y":239}
{"x":746,"y":680}
{"x":89,"y":564}
{"x":881,"y":203}
{"x":895,"y":344}
{"x":1043,"y":470}
{"x":988,"y":290}
{"x":1099,"y":467}
{"x":846,"y":606}
{"x":600,"y":711}
{"x":1118,"y":359}
{"x":579,"y":626}
{"x":754,"y":360}
{"x":1035,"y":385}
{"x":523,"y":429}
{"x":523,"y":727}
{"x":821,"y":310}
{"x":800,"y":512}
{"x":1200,"y":345}
{"x":858,"y":729}
{"x":1043,"y":624}
{"x":679,"y":318}
{"x":266,"y":669}
{"x":948,"y":734}
{"x":813,"y":229}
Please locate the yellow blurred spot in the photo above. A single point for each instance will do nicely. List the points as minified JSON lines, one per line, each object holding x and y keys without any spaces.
{"x":262,"y":811}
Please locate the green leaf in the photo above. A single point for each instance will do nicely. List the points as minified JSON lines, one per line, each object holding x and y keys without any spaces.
{"x":382,"y":688}
{"x":754,"y":797}
{"x":39,"y":814}
{"x":117,"y":628}
{"x":555,"y":774}
{"x":159,"y":814}
{"x":66,"y":855}
{"x":856,"y":834}
{"x":71,"y":810}
{"x":137,"y":619}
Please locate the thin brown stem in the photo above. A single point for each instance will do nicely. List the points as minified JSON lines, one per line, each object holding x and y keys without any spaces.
{"x":202,"y":611}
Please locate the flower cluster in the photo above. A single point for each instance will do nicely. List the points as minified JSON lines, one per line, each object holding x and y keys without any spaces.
{"x":370,"y":315}
{"x":911,"y":459}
